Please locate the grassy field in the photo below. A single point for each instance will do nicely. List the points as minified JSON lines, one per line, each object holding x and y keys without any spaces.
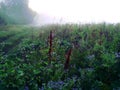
{"x":60,"y":57}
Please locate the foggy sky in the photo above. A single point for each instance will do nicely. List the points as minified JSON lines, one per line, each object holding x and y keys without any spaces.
{"x":76,"y":11}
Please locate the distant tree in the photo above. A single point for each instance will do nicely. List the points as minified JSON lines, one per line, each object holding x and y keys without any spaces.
{"x":16,"y":12}
{"x":2,"y":22}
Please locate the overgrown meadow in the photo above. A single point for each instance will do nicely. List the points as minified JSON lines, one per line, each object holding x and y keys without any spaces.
{"x":60,"y":57}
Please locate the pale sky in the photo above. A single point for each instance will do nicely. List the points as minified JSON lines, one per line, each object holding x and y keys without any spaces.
{"x":79,"y":10}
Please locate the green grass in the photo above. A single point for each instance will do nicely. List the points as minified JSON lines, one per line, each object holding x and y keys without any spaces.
{"x":26,"y":59}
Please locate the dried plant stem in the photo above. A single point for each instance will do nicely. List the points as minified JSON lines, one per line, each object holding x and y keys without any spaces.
{"x":67,"y":56}
{"x":50,"y":45}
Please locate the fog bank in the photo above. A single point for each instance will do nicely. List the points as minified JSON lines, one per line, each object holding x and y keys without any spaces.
{"x":75,"y":11}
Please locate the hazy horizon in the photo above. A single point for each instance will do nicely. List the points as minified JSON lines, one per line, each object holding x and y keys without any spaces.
{"x":76,"y":11}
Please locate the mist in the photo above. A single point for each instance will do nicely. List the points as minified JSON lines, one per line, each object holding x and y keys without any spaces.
{"x":15,"y":12}
{"x":1,"y":0}
{"x":75,"y":11}
{"x":43,"y":19}
{"x":41,"y":12}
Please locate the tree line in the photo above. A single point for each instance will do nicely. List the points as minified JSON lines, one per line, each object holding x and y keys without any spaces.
{"x":15,"y":12}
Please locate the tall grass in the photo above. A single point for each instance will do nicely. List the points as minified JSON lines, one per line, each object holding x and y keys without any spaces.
{"x":81,"y":57}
